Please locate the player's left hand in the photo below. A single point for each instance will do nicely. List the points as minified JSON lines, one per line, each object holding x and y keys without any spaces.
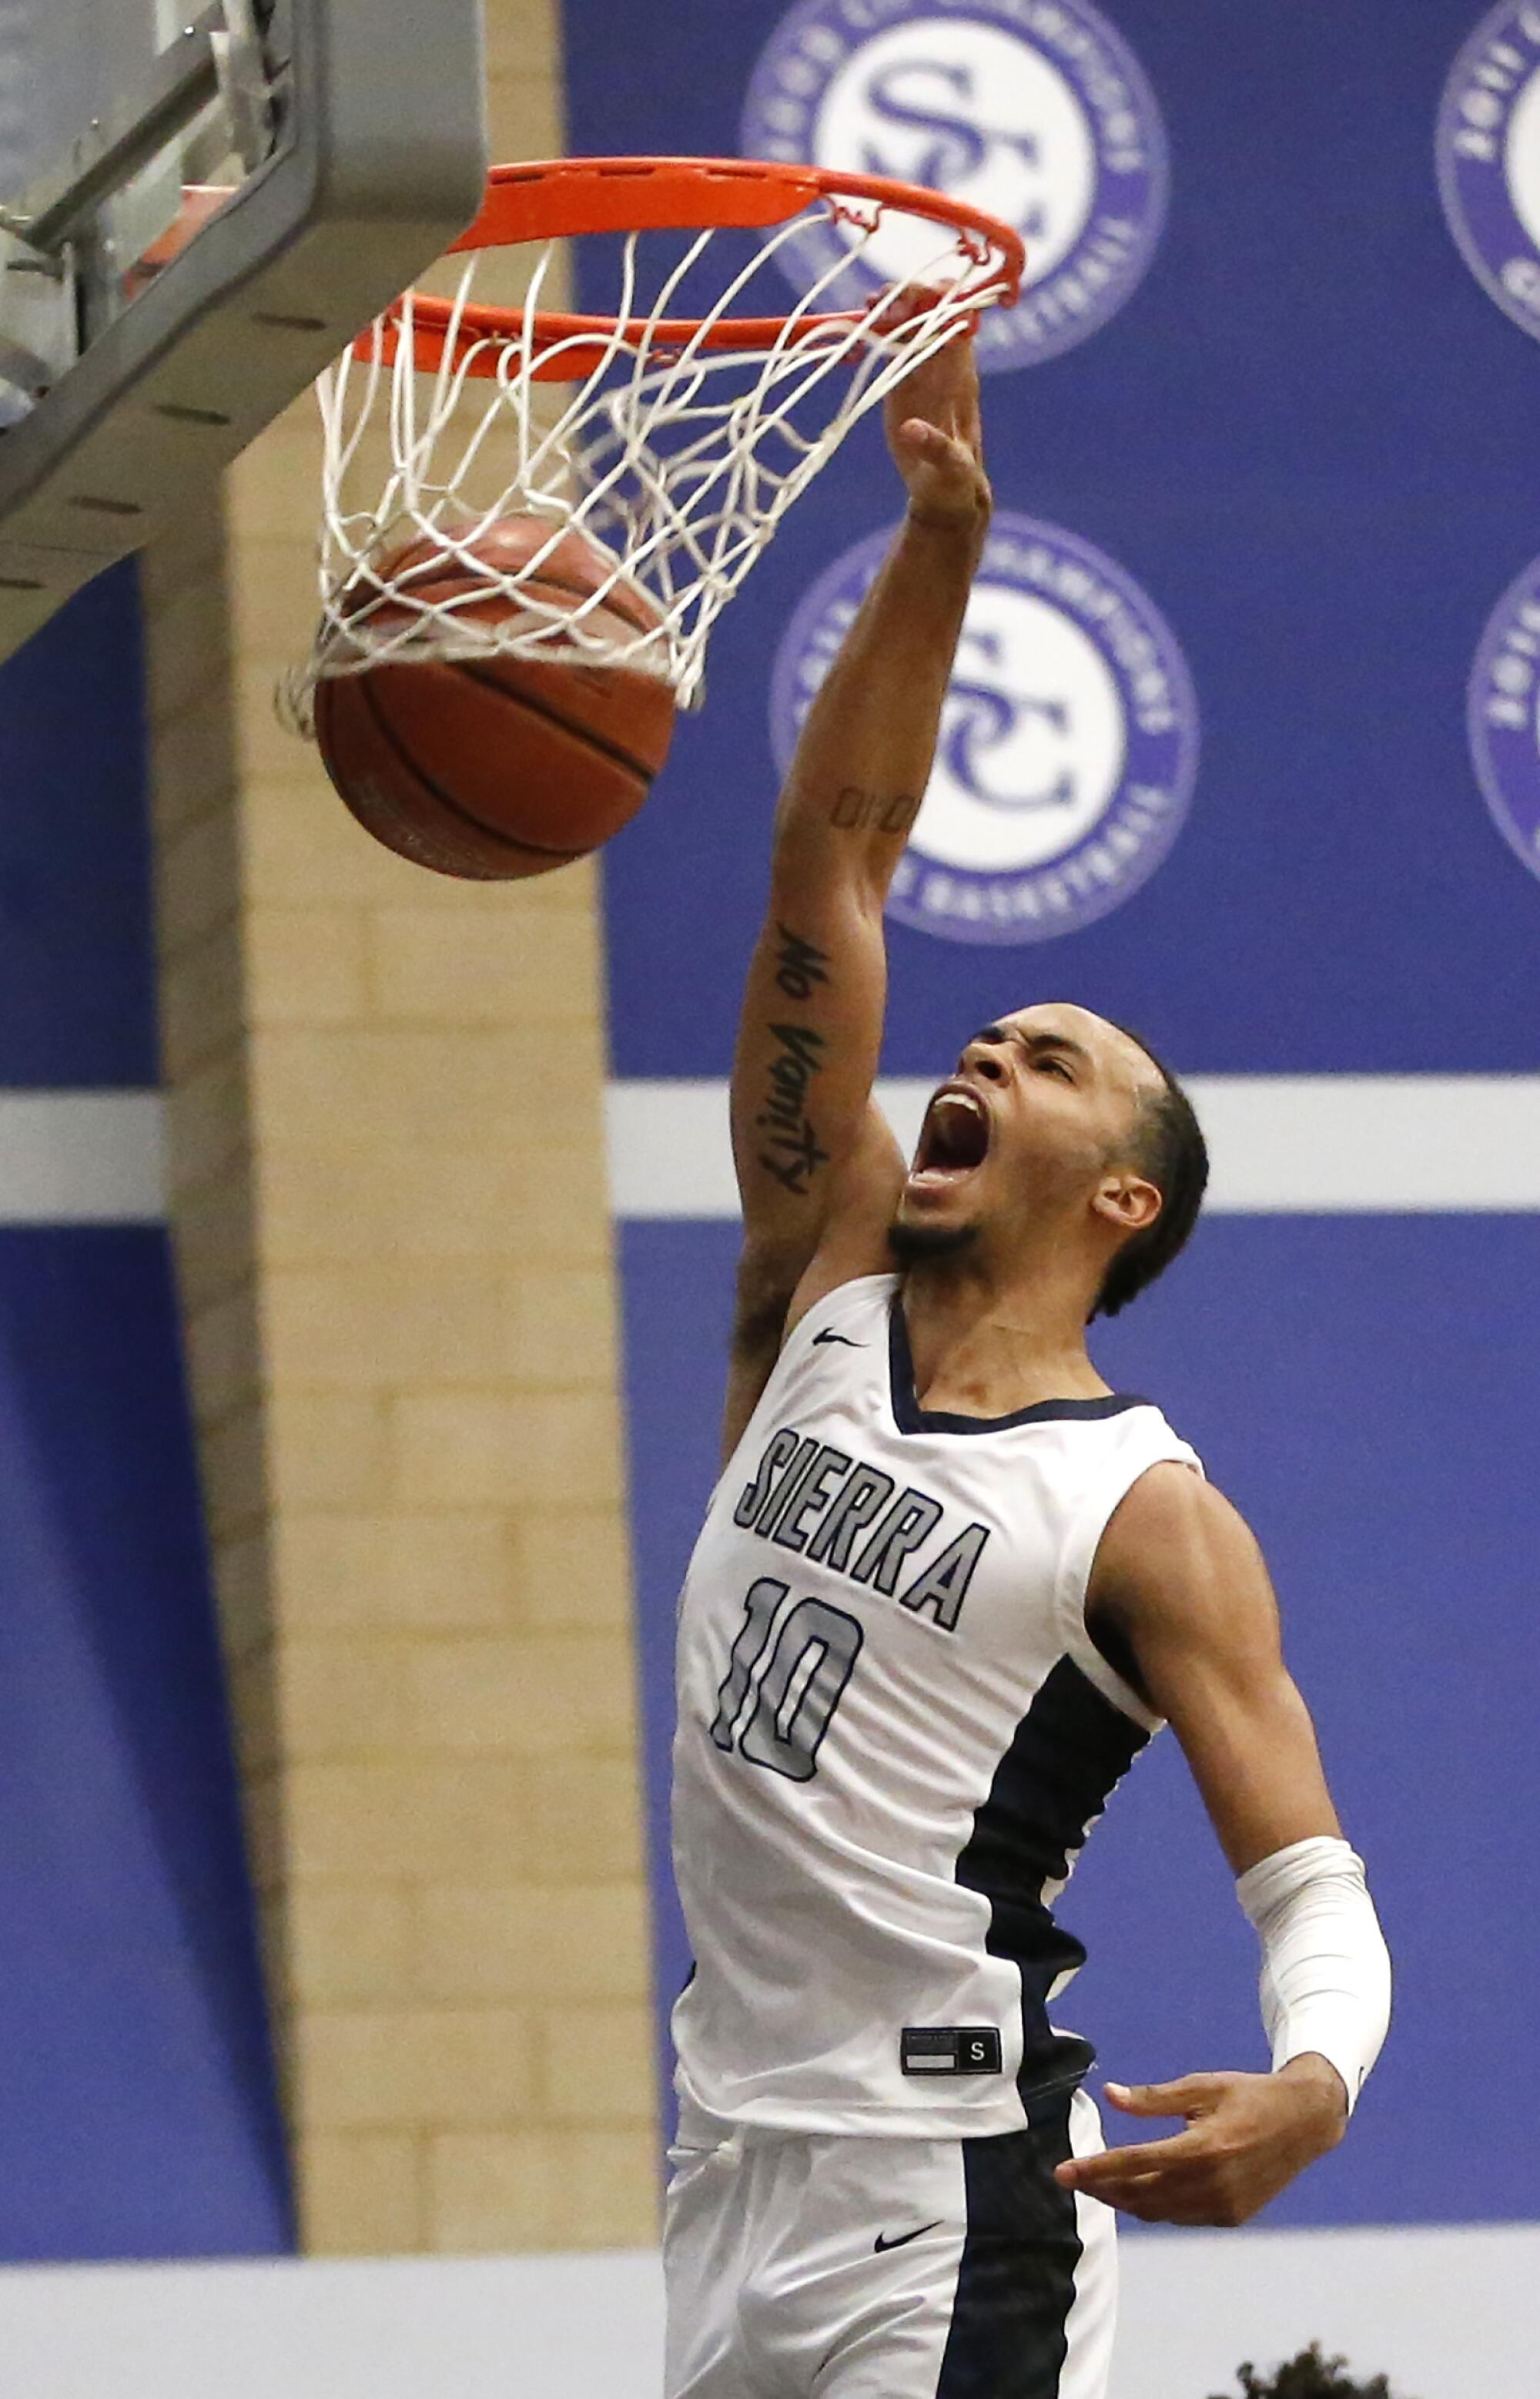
{"x":1247,"y":2135}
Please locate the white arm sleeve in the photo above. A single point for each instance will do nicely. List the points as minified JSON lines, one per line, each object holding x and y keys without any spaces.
{"x":1325,"y":1968}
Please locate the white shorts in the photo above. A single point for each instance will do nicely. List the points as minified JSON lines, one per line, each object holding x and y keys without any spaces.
{"x":843,"y":2266}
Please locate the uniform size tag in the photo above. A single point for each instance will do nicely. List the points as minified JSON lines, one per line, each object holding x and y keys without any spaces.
{"x":950,"y":2049}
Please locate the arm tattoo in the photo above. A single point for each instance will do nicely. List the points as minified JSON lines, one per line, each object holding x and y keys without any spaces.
{"x":791,"y":1152}
{"x":857,"y":811}
{"x":799,"y":964}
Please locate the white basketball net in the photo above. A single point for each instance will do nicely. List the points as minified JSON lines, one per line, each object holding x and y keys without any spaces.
{"x":678,"y":463}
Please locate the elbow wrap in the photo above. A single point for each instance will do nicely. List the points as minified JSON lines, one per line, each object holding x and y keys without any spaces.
{"x":1325,"y":1968}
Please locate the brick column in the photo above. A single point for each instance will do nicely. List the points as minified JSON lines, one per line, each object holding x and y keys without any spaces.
{"x":389,"y":1209}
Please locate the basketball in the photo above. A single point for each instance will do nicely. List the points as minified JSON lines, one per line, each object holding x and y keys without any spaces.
{"x":496,"y":767}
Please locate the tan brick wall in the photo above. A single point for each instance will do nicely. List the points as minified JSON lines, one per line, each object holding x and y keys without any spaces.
{"x":388,"y":1205}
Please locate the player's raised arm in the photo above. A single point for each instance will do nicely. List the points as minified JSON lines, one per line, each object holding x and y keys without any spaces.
{"x":817,"y":1168}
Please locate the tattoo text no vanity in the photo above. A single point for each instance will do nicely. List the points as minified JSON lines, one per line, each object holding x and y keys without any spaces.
{"x":793,"y":1152}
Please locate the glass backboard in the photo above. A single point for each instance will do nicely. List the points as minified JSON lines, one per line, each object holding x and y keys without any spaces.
{"x":337,"y":147}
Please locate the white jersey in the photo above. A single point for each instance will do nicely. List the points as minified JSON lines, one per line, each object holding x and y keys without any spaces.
{"x":894,"y":1735}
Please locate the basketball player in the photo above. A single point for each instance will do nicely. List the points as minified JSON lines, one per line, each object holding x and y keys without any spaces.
{"x":949,"y":1586}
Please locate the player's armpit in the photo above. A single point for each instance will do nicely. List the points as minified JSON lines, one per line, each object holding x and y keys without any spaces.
{"x":760,"y":1305}
{"x":776,"y":1287}
{"x":1180,"y":1584}
{"x":855,"y":1236}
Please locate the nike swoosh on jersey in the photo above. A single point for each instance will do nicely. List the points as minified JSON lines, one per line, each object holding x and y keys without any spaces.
{"x":827,"y":1335}
{"x":902,"y":2240}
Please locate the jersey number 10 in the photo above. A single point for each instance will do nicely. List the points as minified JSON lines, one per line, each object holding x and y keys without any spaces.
{"x":784,"y":1680}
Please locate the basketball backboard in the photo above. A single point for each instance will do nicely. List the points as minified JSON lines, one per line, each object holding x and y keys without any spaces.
{"x":340,"y":146}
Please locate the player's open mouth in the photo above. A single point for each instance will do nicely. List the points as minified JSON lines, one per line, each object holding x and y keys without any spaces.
{"x":953,"y":1139}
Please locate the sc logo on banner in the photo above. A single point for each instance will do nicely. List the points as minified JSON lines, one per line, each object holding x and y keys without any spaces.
{"x":1489,"y":158}
{"x":1036,"y":110}
{"x":1069,"y":741}
{"x":1505,"y":717}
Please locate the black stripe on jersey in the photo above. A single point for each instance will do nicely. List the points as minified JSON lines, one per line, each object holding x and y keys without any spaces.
{"x":910,"y":1417}
{"x":1068,"y":1752}
{"x":1010,"y":2314}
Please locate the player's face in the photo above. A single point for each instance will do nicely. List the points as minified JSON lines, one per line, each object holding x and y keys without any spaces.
{"x":1025,"y":1130}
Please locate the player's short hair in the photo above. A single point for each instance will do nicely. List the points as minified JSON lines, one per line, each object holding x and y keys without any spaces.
{"x":1168,"y":1146}
{"x":1312,"y":2376}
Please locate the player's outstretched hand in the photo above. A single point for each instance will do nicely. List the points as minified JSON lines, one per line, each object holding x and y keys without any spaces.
{"x":1247,"y":2135}
{"x":935,"y":435}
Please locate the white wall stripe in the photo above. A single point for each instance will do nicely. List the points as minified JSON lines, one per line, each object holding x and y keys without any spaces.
{"x":1336,"y":1144}
{"x":81,"y":1158}
{"x":1332,"y":1145}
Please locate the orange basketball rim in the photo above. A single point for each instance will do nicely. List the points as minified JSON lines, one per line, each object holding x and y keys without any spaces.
{"x":566,"y":198}
{"x":672,"y":435}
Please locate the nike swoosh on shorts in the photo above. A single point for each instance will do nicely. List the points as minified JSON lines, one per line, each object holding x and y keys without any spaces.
{"x":903,"y":2239}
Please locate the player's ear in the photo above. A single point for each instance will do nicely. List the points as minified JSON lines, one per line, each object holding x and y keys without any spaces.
{"x":1126,"y":1201}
